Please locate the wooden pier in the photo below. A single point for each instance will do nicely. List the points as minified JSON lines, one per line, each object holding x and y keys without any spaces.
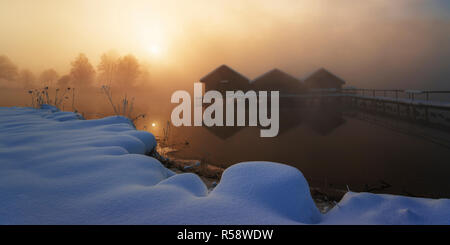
{"x":422,"y":107}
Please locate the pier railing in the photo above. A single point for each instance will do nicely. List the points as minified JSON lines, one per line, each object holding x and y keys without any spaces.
{"x":443,"y":95}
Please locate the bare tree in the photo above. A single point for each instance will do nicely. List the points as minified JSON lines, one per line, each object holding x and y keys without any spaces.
{"x":8,"y":70}
{"x":64,"y":81}
{"x":48,"y":77}
{"x":27,"y":78}
{"x":127,"y":70}
{"x":107,"y":68}
{"x":82,"y":71}
{"x":144,"y":76}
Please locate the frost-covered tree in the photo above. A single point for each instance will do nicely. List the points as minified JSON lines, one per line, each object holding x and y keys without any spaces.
{"x":127,"y":70}
{"x":144,"y":76}
{"x":107,"y":68}
{"x":64,"y":81}
{"x":48,"y":77}
{"x":8,"y":70}
{"x":27,"y":78}
{"x":82,"y":71}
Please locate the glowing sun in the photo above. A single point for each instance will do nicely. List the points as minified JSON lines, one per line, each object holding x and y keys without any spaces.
{"x":154,"y":50}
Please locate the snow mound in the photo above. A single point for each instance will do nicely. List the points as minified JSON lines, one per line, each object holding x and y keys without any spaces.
{"x":277,"y":187}
{"x":368,"y":208}
{"x":249,"y":193}
{"x":58,"y":169}
{"x":187,"y":181}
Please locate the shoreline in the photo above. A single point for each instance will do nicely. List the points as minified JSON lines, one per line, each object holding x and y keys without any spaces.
{"x":325,"y":199}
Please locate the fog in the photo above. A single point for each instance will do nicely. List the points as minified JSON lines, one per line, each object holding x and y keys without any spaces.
{"x":371,"y":44}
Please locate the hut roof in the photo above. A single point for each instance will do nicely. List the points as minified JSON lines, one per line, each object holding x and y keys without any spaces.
{"x":323,"y":77}
{"x":223,"y":73}
{"x":277,"y":80}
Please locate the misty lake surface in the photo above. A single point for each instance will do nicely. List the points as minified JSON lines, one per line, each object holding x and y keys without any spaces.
{"x":334,"y":150}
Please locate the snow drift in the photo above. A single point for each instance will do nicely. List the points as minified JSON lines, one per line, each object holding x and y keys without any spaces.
{"x":58,"y":169}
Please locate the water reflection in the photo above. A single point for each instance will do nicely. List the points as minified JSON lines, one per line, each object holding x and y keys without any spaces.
{"x":333,"y":148}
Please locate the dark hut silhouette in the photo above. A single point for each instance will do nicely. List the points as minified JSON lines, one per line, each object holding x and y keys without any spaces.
{"x":323,"y":79}
{"x":277,"y":80}
{"x":223,"y":78}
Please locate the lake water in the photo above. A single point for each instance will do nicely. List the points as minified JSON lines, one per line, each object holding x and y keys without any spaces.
{"x":334,"y":150}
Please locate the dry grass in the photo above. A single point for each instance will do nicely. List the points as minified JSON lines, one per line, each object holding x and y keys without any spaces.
{"x":61,"y":98}
{"x":125,"y":108}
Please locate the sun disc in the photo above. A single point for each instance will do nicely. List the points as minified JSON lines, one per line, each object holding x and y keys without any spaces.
{"x":154,"y":49}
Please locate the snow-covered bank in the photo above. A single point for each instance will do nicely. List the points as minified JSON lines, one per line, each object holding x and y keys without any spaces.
{"x":57,"y":169}
{"x":368,"y":208}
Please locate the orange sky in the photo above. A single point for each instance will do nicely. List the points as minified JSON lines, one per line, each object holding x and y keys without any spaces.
{"x":369,"y":43}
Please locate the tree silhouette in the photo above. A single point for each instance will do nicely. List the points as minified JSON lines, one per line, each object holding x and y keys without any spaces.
{"x":107,"y":67}
{"x":144,"y":77}
{"x":48,"y":77}
{"x":27,"y":78}
{"x":127,"y":70}
{"x":82,"y":71}
{"x":64,"y":81}
{"x":8,"y":70}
